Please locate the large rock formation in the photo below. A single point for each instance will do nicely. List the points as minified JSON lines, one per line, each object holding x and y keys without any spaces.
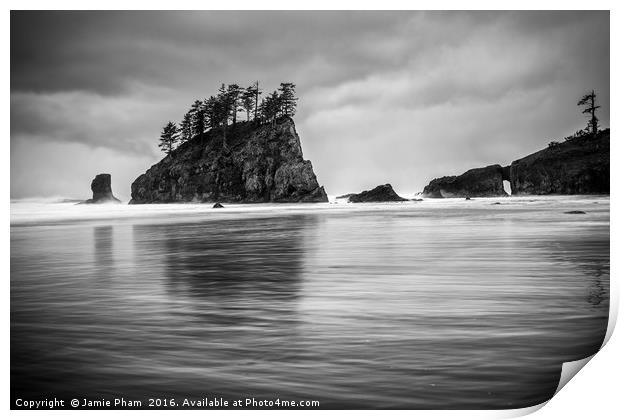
{"x":577,"y":166}
{"x":378,"y":194}
{"x":102,"y":190}
{"x":253,"y":164}
{"x":478,"y":182}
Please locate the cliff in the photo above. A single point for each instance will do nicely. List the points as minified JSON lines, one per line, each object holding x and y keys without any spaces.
{"x":577,"y":166}
{"x":254,"y":164}
{"x":478,"y":182}
{"x":380,"y":193}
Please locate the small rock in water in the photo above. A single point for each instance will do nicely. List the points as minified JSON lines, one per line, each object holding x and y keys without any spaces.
{"x":575,"y":212}
{"x":218,"y":206}
{"x":467,"y":198}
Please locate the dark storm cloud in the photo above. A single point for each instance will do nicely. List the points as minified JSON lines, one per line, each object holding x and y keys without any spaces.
{"x":384,"y":96}
{"x":107,"y":51}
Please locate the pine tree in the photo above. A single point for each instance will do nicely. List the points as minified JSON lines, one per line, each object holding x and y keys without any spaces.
{"x":248,"y":101}
{"x":169,"y":137}
{"x":257,"y":92}
{"x":288,"y":101}
{"x":198,"y":118}
{"x":223,"y":107}
{"x":276,"y":105}
{"x":186,"y":127}
{"x":262,"y":109}
{"x":234,"y":98}
{"x":271,"y":108}
{"x":589,"y":101}
{"x":211,"y":118}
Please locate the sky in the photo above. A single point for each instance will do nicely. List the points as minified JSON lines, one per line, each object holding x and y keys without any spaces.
{"x":399,"y":97}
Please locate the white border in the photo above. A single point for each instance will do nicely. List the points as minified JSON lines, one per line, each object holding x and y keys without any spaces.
{"x":591,"y":395}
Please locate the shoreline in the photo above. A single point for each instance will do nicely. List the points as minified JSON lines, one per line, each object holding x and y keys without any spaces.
{"x":25,"y":213}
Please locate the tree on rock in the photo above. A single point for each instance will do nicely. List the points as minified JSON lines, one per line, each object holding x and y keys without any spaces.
{"x":248,"y":101}
{"x":186,"y":127}
{"x":254,"y":92}
{"x":216,"y":111}
{"x":211,"y":118}
{"x":270,"y":108}
{"x":198,"y":117}
{"x":223,"y":112}
{"x":234,"y":98}
{"x":589,"y":101}
{"x":288,"y":101}
{"x":169,"y":137}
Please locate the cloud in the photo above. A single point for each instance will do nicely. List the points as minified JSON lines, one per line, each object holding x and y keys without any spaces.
{"x":107,"y":51}
{"x":123,"y":123}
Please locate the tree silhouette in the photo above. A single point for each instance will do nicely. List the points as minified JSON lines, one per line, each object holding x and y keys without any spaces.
{"x":589,"y":101}
{"x":248,"y":101}
{"x":271,"y":108}
{"x":186,"y":127}
{"x":198,"y":118}
{"x":218,"y":110}
{"x":234,"y":98}
{"x":211,"y":117}
{"x":257,"y":92}
{"x":223,"y":110}
{"x":169,"y":137}
{"x":288,"y":101}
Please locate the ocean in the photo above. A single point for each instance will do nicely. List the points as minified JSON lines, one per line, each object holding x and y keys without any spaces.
{"x":438,"y":304}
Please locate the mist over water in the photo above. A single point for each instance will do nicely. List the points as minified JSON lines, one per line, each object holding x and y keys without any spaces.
{"x":429,"y":305}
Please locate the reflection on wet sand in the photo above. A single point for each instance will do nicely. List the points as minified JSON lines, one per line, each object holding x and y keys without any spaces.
{"x":589,"y":254}
{"x":250,"y":261}
{"x":103,"y":252}
{"x":238,"y":283}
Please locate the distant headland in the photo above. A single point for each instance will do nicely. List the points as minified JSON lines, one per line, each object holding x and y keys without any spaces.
{"x":578,"y":165}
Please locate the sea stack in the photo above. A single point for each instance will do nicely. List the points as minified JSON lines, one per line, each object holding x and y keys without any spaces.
{"x":246,"y":163}
{"x":381,"y":193}
{"x":102,"y":190}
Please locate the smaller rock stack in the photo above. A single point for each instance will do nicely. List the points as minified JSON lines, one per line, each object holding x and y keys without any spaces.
{"x":382,"y":193}
{"x":102,"y":190}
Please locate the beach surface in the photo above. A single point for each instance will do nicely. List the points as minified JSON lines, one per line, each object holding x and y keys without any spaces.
{"x":438,"y":304}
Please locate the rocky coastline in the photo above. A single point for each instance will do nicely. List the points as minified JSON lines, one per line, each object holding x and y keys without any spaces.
{"x":579,"y":165}
{"x":264,"y":163}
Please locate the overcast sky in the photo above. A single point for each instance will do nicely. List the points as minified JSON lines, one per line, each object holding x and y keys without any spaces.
{"x":399,"y":97}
